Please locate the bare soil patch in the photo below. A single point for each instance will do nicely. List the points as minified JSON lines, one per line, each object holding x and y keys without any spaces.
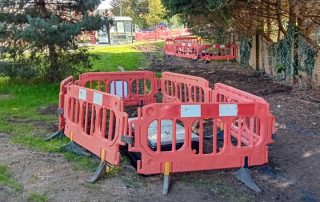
{"x":292,"y":173}
{"x":50,"y":109}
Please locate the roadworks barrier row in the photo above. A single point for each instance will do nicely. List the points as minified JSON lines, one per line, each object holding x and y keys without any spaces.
{"x":197,"y":49}
{"x":172,"y":124}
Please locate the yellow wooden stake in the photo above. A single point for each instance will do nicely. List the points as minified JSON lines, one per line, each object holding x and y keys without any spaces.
{"x":102,"y":154}
{"x":166,"y":168}
{"x":71,"y":135}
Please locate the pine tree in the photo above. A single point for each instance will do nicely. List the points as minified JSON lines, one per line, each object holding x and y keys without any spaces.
{"x":40,"y":35}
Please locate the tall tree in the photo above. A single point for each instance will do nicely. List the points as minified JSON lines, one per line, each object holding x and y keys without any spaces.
{"x":132,"y":8}
{"x":43,"y":33}
{"x":156,"y":13}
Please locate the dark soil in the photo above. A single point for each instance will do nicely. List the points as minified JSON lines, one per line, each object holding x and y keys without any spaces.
{"x":293,"y":172}
{"x":51,"y":109}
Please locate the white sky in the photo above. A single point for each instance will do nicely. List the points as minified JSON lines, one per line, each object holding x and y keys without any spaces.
{"x":105,"y":4}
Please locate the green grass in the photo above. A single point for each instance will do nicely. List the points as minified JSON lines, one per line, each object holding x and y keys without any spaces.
{"x":159,"y":44}
{"x":81,"y":162}
{"x":20,"y":111}
{"x":7,"y":180}
{"x":111,"y":57}
{"x":20,"y":117}
{"x":20,"y":101}
{"x":38,"y":143}
{"x":34,"y":197}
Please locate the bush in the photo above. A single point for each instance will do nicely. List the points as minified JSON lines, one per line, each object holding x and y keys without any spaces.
{"x":16,"y":70}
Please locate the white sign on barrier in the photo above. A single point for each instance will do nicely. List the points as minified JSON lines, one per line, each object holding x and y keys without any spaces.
{"x":97,"y":99}
{"x":83,"y":94}
{"x":228,"y":110}
{"x":190,"y":111}
{"x":118,"y":90}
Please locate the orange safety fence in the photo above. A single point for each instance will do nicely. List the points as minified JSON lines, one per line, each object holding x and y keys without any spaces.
{"x":194,"y":48}
{"x":169,"y":46}
{"x":63,"y":91}
{"x":95,"y":120}
{"x":218,"y":52}
{"x":184,"y":88}
{"x":187,"y":47}
{"x":194,"y":128}
{"x":135,"y":88}
{"x":200,"y":145}
{"x":225,"y":94}
{"x":159,"y":34}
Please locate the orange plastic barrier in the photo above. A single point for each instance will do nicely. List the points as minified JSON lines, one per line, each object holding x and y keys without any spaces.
{"x":187,"y":47}
{"x":169,"y":47}
{"x":194,"y":128}
{"x":198,"y":122}
{"x":63,"y":91}
{"x":135,"y":88}
{"x":219,"y":52}
{"x":95,"y":120}
{"x":224,"y":94}
{"x":184,"y":88}
{"x":159,"y":34}
{"x":193,"y":48}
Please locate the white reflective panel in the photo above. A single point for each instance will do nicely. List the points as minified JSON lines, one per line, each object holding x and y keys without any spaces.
{"x":97,"y":98}
{"x":118,"y":91}
{"x":190,"y":111}
{"x":83,"y":94}
{"x":228,"y":110}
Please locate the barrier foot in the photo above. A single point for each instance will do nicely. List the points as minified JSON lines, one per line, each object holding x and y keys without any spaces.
{"x":56,"y":135}
{"x":166,"y":184}
{"x":244,"y":176}
{"x":75,"y":148}
{"x":101,"y":170}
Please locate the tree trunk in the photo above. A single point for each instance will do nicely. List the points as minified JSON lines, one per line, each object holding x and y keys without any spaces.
{"x":294,"y":46}
{"x":268,"y":22}
{"x":54,"y":72}
{"x":292,"y":16}
{"x":279,"y":20}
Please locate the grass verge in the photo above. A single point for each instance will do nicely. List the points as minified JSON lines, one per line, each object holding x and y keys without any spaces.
{"x":113,"y":57}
